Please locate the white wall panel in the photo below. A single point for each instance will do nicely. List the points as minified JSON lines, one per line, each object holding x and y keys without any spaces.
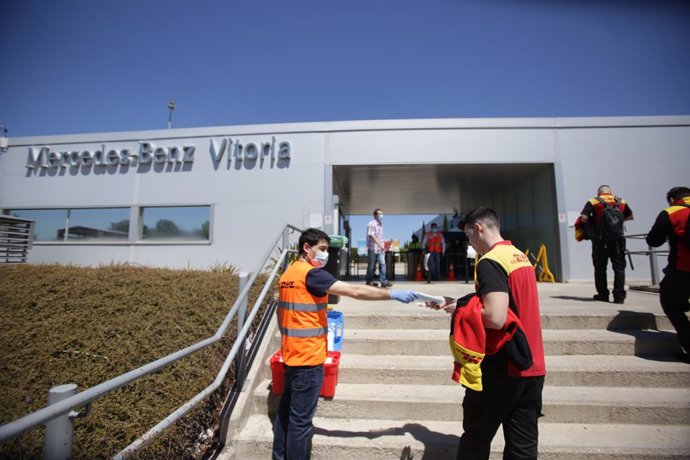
{"x":641,"y":158}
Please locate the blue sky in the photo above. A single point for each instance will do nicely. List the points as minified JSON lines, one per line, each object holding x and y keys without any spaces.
{"x":73,"y":66}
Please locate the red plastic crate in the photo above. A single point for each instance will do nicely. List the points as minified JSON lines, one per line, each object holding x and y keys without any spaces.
{"x":330,"y":374}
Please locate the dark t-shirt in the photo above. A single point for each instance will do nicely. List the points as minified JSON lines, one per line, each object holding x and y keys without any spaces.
{"x":491,"y":277}
{"x":319,"y":281}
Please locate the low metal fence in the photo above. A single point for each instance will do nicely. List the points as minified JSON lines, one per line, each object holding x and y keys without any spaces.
{"x":16,"y":238}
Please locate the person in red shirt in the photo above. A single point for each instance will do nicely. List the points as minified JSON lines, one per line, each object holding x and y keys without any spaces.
{"x":510,"y":396}
{"x":606,"y":245}
{"x":673,"y":225}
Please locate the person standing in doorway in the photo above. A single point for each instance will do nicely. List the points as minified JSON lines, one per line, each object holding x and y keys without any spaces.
{"x":435,"y":245}
{"x":303,"y":291}
{"x":376,"y":250}
{"x":673,"y":225}
{"x":606,"y":214}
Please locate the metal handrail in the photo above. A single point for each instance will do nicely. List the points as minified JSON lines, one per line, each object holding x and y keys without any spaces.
{"x":65,"y":406}
{"x":652,"y":253}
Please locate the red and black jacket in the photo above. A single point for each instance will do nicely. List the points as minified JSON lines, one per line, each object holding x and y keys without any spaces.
{"x":672,"y":224}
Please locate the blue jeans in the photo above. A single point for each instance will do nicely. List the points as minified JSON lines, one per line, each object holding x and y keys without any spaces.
{"x":372,"y":260}
{"x":293,"y":424}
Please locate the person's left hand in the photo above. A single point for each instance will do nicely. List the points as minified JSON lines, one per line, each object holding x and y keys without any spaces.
{"x":403,"y":296}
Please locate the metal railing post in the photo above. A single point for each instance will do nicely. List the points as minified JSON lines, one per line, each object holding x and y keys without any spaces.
{"x":240,"y":361}
{"x":654,"y":266}
{"x":286,"y":243}
{"x":59,"y":431}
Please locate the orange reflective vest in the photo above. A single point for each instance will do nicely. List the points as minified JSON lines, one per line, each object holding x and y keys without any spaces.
{"x":302,"y":318}
{"x":433,"y":242}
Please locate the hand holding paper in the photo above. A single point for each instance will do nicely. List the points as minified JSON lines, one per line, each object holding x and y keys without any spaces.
{"x":446,"y":304}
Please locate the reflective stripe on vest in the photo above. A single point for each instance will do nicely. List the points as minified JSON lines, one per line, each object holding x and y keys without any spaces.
{"x":302,"y":306}
{"x":314,"y":332}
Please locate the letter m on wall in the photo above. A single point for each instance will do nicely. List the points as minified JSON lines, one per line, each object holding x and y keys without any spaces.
{"x":34,"y":161}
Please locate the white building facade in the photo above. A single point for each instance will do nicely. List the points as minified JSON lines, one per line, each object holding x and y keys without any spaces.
{"x":195,"y":198}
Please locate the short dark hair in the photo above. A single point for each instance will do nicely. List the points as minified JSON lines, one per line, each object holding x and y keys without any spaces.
{"x":484,"y":214}
{"x":312,"y":237}
{"x":377,"y":210}
{"x":676,"y":193}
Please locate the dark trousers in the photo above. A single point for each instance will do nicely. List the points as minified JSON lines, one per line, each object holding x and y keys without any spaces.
{"x":674,"y":292}
{"x":293,"y":424}
{"x":514,"y":402}
{"x":602,"y":251}
{"x":435,"y":265}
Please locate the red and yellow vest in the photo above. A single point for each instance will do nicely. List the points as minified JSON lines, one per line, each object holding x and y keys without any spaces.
{"x":433,"y":241}
{"x":302,"y":318}
{"x":678,"y":216}
{"x":524,"y":300}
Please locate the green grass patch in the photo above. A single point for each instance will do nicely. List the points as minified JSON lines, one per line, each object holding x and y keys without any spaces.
{"x":65,"y":324}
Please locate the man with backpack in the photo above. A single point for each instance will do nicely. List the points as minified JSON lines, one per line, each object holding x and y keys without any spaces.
{"x":673,"y":225}
{"x":605,"y":215}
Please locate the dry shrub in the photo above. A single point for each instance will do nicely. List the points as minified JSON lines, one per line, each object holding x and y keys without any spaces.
{"x":63,"y":324}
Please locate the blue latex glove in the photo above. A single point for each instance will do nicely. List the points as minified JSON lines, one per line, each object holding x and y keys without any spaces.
{"x":403,"y":296}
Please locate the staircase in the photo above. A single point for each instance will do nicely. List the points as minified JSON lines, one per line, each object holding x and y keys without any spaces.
{"x":613,"y":389}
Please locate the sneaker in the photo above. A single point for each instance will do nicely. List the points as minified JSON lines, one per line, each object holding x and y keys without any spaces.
{"x":370,"y":283}
{"x":600,"y":297}
{"x":385,"y":285}
{"x":619,"y":300}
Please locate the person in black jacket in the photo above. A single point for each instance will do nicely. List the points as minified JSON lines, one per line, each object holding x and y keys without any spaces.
{"x":673,"y":224}
{"x":606,"y":245}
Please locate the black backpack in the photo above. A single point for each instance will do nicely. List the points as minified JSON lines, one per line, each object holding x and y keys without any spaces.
{"x":612,"y":219}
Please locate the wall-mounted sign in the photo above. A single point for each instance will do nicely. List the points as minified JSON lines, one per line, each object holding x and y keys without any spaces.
{"x":267,"y":154}
{"x":149,"y":156}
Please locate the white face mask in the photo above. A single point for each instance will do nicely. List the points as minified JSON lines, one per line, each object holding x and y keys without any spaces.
{"x":320,"y":259}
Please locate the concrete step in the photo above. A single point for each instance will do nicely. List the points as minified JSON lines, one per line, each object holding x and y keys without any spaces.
{"x":557,"y":319}
{"x":659,"y":406}
{"x":365,"y":439}
{"x":556,"y":342}
{"x":564,"y":370}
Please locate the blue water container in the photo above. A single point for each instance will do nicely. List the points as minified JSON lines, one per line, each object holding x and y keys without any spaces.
{"x":336,"y":329}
